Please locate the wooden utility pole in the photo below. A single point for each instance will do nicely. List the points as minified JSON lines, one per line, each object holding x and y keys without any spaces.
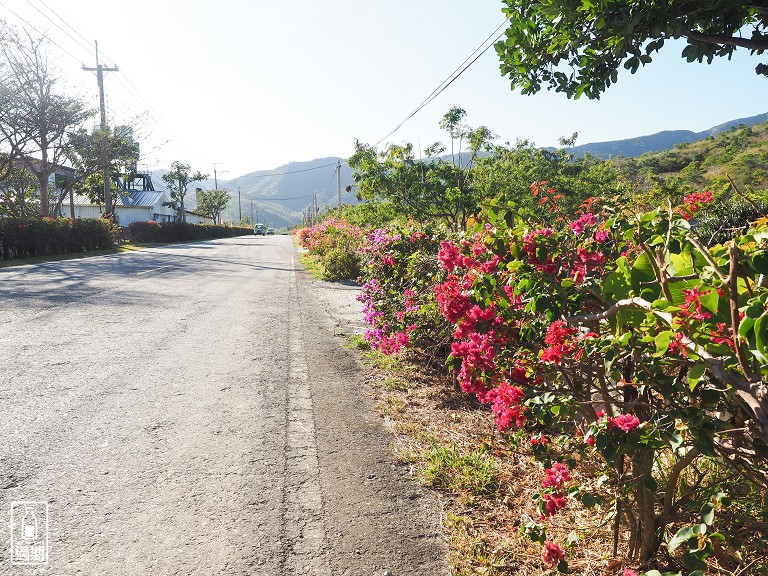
{"x":338,"y":183}
{"x":102,"y":108}
{"x":239,"y":206}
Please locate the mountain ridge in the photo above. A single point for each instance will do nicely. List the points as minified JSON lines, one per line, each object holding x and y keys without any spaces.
{"x":281,"y":195}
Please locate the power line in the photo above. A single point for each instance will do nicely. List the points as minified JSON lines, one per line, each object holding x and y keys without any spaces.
{"x":65,"y":22}
{"x":84,"y":46}
{"x":23,"y":20}
{"x":130,"y":88}
{"x":449,"y":80}
{"x":264,"y":199}
{"x":294,"y":171}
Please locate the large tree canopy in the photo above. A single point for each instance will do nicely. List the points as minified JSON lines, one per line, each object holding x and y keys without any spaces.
{"x":578,"y":46}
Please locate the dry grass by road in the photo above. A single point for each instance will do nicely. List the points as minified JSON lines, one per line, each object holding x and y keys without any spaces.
{"x":487,"y":480}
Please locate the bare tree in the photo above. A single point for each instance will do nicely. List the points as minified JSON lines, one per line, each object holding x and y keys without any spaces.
{"x":35,"y":118}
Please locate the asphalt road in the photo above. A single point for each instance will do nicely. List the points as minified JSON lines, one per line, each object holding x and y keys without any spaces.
{"x":188,"y":410}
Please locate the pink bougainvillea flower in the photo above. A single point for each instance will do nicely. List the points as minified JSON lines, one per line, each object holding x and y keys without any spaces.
{"x":582,"y":222}
{"x":602,"y":236}
{"x":448,"y":255}
{"x":553,"y":503}
{"x":629,"y":572}
{"x":557,"y":476}
{"x":625,"y":422}
{"x":505,"y":405}
{"x":551,"y":554}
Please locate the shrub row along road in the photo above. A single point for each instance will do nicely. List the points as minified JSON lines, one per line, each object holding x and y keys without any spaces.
{"x":188,"y":410}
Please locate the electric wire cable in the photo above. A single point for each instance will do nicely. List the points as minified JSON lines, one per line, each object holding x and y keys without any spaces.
{"x":41,"y":34}
{"x":449,"y":80}
{"x":87,"y":48}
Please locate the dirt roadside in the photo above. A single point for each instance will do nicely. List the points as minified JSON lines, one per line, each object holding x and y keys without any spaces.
{"x":378,"y":520}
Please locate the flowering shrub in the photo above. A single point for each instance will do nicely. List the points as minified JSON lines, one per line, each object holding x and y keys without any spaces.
{"x":625,"y":338}
{"x":334,"y":243}
{"x":400,"y":269}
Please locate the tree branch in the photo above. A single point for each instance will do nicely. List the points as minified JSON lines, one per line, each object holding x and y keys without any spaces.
{"x":727,"y":40}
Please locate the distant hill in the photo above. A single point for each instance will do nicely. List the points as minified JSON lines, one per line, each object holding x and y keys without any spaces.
{"x":665,"y":140}
{"x":738,"y":151}
{"x":281,"y":195}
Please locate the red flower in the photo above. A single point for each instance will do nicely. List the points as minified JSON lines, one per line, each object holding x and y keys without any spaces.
{"x":449,"y":255}
{"x":553,"y":503}
{"x":505,"y":405}
{"x":694,"y":202}
{"x":584,"y":221}
{"x":552,"y":553}
{"x":625,"y":422}
{"x":557,"y":476}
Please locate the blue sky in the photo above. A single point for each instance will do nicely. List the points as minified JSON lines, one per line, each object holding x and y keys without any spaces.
{"x":254,"y":85}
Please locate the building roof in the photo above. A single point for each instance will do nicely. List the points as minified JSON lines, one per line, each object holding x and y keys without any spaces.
{"x":133,"y":198}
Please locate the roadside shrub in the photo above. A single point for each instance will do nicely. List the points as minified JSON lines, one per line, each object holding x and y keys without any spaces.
{"x":400,"y":271}
{"x":341,"y":263}
{"x":182,"y":231}
{"x":334,"y":243}
{"x":26,"y":237}
{"x":620,"y":340}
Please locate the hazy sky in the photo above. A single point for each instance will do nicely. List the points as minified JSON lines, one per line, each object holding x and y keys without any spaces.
{"x":252,"y":85}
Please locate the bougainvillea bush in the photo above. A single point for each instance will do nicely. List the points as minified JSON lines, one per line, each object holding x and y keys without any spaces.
{"x":620,"y":340}
{"x":400,"y":270}
{"x":334,"y":243}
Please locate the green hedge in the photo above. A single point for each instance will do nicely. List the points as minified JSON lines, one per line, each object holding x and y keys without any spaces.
{"x":181,"y":231}
{"x":22,"y":238}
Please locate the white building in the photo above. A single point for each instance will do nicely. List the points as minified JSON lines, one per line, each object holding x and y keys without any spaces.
{"x":137,"y":201}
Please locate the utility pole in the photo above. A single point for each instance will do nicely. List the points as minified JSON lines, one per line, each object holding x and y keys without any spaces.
{"x":338,"y":183}
{"x":215,"y":179}
{"x":102,"y":108}
{"x":252,"y":222}
{"x":239,"y":206}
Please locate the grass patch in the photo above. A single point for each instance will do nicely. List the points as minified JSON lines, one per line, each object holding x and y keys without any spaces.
{"x":472,"y":472}
{"x":358,"y":342}
{"x":313,"y":265}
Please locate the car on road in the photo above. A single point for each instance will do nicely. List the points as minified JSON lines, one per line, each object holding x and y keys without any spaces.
{"x":259,"y":229}
{"x":270,"y":230}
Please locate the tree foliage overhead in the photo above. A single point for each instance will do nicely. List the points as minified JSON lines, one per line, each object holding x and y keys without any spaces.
{"x":578,"y":46}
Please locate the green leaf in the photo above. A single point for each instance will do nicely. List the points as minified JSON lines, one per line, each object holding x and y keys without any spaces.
{"x":710,"y":300}
{"x":588,"y":500}
{"x":759,"y":262}
{"x":695,"y":374}
{"x":562,"y":566}
{"x":663,"y":340}
{"x":684,"y":534}
{"x":717,"y":536}
{"x":708,"y":513}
